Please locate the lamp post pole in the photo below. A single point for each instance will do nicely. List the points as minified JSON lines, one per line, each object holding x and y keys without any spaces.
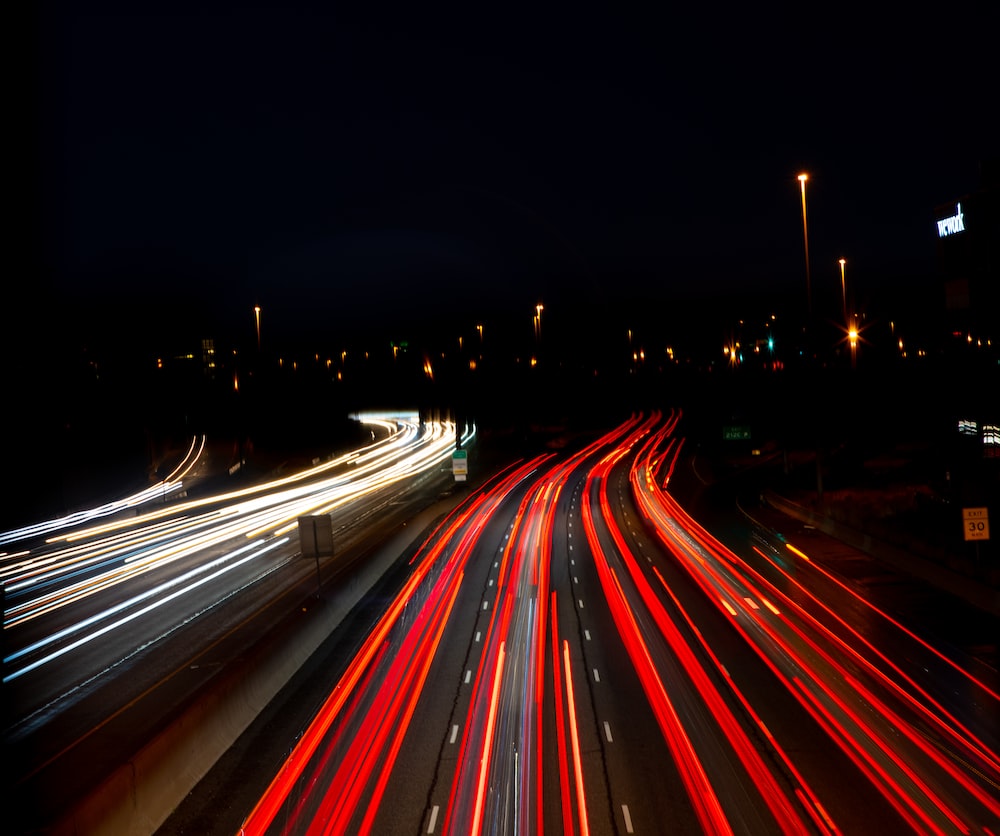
{"x":805,"y":237}
{"x":843,"y":290}
{"x":810,"y":337}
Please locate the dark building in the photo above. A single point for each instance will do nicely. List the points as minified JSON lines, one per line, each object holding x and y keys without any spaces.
{"x":968,"y":249}
{"x":968,"y":261}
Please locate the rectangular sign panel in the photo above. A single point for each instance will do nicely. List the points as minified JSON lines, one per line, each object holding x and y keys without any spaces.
{"x":460,"y":465}
{"x":976,"y":523}
{"x":316,"y":535}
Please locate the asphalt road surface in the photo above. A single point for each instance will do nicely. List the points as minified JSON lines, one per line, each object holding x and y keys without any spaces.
{"x":570,"y":650}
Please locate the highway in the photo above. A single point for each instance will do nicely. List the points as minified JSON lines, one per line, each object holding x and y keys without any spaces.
{"x":571,"y":651}
{"x":110,"y":614}
{"x":567,"y":649}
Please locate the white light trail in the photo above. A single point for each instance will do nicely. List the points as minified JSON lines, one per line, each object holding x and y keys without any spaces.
{"x":62,"y":651}
{"x":169,"y":485}
{"x":99,"y":558}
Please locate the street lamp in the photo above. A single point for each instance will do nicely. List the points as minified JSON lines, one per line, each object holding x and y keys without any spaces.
{"x":538,"y":320}
{"x":843,"y":289}
{"x":256,"y":313}
{"x":805,"y":237}
{"x":809,"y":311}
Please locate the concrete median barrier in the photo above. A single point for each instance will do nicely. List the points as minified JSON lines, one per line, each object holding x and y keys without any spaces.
{"x":141,"y":793}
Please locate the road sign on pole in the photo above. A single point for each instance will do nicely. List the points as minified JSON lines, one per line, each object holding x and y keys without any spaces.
{"x":976,"y":523}
{"x":315,"y":539}
{"x":460,"y":465}
{"x":736,"y":433}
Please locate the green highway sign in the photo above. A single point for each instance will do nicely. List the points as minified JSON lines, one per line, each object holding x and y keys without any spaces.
{"x":460,"y":465}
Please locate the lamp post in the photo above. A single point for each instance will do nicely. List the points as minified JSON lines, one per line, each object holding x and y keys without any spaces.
{"x":809,"y":310}
{"x":843,"y":290}
{"x":853,"y":335}
{"x":256,"y":313}
{"x":805,"y":237}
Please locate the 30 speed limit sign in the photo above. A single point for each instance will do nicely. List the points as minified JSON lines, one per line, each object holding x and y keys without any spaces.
{"x":976,"y":523}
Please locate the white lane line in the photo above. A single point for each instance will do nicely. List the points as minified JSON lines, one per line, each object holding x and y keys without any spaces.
{"x":581,"y":603}
{"x":576,"y":579}
{"x":433,"y":821}
{"x":587,"y":634}
{"x":607,"y":731}
{"x":454,"y":733}
{"x":485,"y":604}
{"x":628,"y":819}
{"x":597,"y":676}
{"x":468,"y":677}
{"x":491,"y":582}
{"x":478,"y":634}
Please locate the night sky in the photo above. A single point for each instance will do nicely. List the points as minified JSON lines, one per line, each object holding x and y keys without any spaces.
{"x":382,"y":166}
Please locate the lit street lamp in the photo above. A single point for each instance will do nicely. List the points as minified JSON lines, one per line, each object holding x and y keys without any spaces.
{"x":843,"y":289}
{"x":805,"y":236}
{"x":809,"y":315}
{"x":256,"y":313}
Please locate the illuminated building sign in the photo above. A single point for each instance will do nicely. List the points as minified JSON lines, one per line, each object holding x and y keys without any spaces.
{"x":949,"y":226}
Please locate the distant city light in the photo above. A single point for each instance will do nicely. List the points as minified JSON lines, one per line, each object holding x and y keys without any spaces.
{"x":966,"y":427}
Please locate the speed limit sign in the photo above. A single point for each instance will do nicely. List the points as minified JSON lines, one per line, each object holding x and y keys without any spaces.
{"x":976,"y":523}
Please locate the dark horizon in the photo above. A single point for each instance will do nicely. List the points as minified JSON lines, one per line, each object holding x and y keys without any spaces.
{"x":407,"y":175}
{"x":310,"y":160}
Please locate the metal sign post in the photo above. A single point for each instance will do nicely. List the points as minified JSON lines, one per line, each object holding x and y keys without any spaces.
{"x":316,"y":538}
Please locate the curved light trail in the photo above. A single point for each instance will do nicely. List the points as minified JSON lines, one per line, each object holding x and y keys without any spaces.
{"x":521,"y":709}
{"x":334,"y":780}
{"x":220,"y":533}
{"x":940,"y":783}
{"x":171,"y":484}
